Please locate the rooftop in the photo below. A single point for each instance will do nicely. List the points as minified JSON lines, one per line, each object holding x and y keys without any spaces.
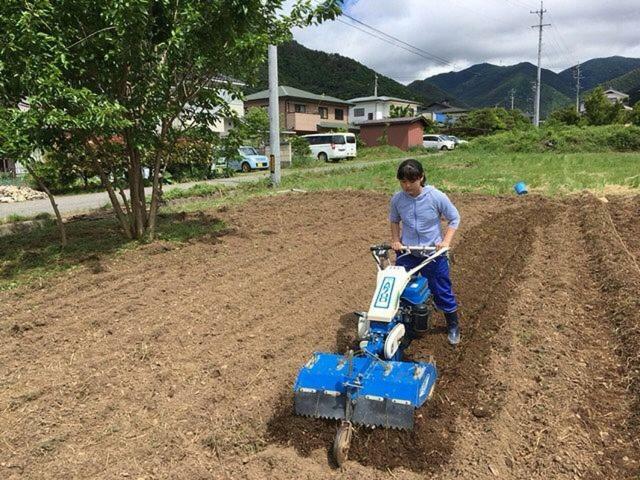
{"x":394,"y":121}
{"x":382,"y":99}
{"x":284,"y":91}
{"x":616,"y":92}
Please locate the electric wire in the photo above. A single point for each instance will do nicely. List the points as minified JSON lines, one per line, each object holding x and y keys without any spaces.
{"x":442,"y":60}
{"x":389,"y":42}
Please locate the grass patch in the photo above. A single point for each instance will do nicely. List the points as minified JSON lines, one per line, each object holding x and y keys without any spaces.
{"x":33,"y":256}
{"x":197,"y":190}
{"x":459,"y":171}
{"x":493,"y":174}
{"x":14,"y":218}
{"x":305,"y":162}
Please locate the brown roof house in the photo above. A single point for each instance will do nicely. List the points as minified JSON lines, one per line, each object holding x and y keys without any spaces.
{"x":305,"y":112}
{"x":403,"y":133}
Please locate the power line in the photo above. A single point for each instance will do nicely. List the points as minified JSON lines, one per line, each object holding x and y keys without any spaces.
{"x":411,"y":48}
{"x":558,"y":34}
{"x":433,"y":56}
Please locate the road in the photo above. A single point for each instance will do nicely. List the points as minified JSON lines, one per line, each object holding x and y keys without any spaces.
{"x":74,"y":204}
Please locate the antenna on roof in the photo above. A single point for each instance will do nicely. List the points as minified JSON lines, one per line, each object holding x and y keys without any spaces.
{"x":375,"y":86}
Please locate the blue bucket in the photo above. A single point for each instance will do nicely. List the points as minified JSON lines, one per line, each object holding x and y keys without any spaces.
{"x":520,"y":188}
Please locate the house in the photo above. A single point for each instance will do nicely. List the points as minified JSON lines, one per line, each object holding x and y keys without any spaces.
{"x":377,"y":108}
{"x":222,"y":125}
{"x":614,"y":96}
{"x":404,"y":133}
{"x":305,"y":112}
{"x":444,"y":112}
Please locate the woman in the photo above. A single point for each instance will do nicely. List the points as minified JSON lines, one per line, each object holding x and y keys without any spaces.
{"x":415,"y":214}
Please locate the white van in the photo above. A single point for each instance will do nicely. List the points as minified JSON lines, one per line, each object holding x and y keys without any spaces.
{"x":332,"y":146}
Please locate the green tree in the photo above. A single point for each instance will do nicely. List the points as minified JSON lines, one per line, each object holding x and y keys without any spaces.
{"x":124,"y":81}
{"x":401,"y":111}
{"x":255,"y":126}
{"x":483,"y":121}
{"x":565,"y":116}
{"x":635,"y":115}
{"x":599,"y":110}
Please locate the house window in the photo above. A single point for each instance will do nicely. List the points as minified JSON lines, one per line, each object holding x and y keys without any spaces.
{"x":358,"y":112}
{"x":300,"y":108}
{"x":370,"y":116}
{"x":339,"y":114}
{"x":324,"y":112}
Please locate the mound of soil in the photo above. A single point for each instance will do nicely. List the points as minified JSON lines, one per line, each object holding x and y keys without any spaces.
{"x":178,"y":362}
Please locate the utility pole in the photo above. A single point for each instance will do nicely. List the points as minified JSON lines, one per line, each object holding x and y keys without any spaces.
{"x":375,"y":86}
{"x":512,"y":94}
{"x":274,"y":117}
{"x":540,"y":26}
{"x":578,"y":76}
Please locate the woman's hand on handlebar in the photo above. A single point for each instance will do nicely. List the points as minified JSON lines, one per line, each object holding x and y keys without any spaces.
{"x":397,"y":246}
{"x":441,"y":245}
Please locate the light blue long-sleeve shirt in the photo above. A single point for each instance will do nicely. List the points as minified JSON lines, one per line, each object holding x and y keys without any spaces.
{"x":420,"y":216}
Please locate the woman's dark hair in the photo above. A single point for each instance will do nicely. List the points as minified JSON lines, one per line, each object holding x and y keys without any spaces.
{"x":411,"y":170}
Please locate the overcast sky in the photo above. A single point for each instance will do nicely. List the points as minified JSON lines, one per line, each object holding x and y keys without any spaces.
{"x":466,"y":32}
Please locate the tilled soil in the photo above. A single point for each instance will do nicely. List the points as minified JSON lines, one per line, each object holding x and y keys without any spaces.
{"x":178,"y":362}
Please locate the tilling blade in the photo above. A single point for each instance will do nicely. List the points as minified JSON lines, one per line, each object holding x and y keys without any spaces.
{"x":383,"y":413}
{"x":320,"y":405}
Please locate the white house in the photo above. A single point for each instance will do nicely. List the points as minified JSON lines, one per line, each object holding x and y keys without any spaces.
{"x":378,"y":108}
{"x":222,"y":125}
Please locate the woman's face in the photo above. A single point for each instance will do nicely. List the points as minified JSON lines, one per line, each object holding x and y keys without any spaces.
{"x":413,"y":188}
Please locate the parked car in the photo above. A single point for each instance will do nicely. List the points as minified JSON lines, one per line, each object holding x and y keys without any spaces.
{"x":332,"y":146}
{"x":456,"y":140}
{"x":248,"y":159}
{"x":439,"y":142}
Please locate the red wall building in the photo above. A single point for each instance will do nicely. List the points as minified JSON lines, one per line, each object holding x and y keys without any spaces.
{"x":403,"y":133}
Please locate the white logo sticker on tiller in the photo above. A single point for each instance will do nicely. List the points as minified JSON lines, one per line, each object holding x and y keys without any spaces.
{"x":384,"y":295}
{"x":391,"y":282}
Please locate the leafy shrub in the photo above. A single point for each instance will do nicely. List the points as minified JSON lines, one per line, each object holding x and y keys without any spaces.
{"x":300,"y":147}
{"x":486,"y":121}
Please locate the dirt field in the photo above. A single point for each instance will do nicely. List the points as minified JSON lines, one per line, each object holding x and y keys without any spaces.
{"x":178,"y":361}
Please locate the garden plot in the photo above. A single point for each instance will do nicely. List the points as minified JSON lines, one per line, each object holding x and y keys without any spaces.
{"x":178,"y":362}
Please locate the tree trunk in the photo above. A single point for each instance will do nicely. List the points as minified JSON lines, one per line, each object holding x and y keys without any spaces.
{"x":54,"y":205}
{"x":125,"y":201}
{"x":138,"y":203}
{"x":122,"y":218}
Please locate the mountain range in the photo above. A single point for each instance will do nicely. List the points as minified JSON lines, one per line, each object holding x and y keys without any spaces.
{"x":481,"y":85}
{"x":487,"y":85}
{"x":334,"y":75}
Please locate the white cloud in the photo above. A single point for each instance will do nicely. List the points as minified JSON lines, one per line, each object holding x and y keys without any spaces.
{"x":465,"y":32}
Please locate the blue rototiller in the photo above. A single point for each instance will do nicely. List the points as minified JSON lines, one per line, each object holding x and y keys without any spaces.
{"x":373,"y":386}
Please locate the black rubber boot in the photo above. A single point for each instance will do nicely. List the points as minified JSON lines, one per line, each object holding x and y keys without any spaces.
{"x":453,"y":329}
